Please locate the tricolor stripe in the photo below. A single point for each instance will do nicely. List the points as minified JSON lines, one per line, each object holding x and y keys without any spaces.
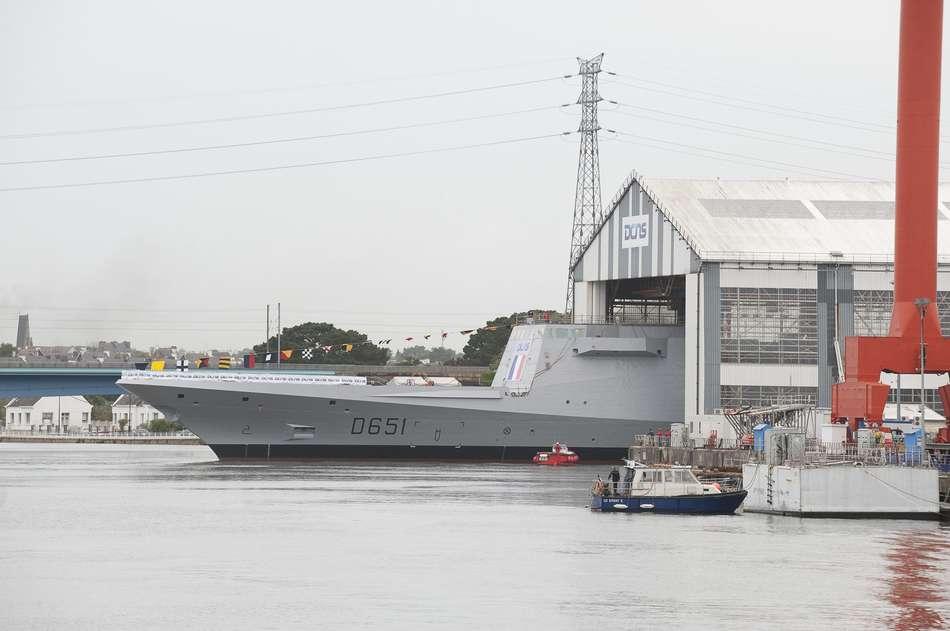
{"x":516,"y":370}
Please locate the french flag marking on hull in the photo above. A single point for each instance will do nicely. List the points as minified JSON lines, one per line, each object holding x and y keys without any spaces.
{"x":516,"y":370}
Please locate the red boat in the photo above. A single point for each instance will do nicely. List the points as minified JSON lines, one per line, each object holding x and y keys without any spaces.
{"x":558,"y":455}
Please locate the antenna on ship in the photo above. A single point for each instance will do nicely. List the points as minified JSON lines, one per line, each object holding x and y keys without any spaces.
{"x":588,"y":213}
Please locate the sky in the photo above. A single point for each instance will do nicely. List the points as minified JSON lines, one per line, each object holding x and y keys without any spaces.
{"x":368,"y":237}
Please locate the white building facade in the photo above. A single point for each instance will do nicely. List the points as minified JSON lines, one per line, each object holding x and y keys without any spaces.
{"x":68,"y":414}
{"x":128,"y":407}
{"x":767,"y":277}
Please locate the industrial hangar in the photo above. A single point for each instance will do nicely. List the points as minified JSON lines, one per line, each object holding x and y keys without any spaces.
{"x":767,"y":277}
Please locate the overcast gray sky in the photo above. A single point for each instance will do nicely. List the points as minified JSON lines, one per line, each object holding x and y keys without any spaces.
{"x":400,"y":246}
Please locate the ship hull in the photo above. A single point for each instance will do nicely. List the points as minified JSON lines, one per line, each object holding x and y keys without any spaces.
{"x":369,"y":422}
{"x":592,"y":388}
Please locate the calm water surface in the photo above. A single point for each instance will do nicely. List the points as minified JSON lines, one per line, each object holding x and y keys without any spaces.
{"x":160,"y":537}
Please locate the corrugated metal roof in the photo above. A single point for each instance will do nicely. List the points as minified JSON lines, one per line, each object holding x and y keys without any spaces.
{"x":795,"y":220}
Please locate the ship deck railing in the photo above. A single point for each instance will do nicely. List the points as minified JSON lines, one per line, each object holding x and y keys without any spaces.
{"x":833,"y":454}
{"x":640,"y":319}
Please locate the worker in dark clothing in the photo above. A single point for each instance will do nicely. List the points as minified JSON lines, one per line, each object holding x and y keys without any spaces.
{"x":614,"y":478}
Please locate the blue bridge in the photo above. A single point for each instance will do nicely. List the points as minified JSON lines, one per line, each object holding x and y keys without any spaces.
{"x":40,"y":382}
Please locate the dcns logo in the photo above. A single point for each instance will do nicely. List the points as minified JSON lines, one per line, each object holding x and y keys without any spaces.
{"x":635,"y":231}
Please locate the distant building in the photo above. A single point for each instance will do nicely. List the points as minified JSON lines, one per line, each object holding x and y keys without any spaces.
{"x":128,"y":407}
{"x":23,"y":339}
{"x":49,"y":414}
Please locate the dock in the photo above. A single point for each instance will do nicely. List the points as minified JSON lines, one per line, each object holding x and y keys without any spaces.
{"x":101,"y":439}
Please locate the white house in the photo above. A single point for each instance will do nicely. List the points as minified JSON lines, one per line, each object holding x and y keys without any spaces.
{"x":131,"y":407}
{"x":49,"y":414}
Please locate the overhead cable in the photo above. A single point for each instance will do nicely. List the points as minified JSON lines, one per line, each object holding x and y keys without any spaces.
{"x":280,"y":167}
{"x":273,"y":141}
{"x":733,"y":98}
{"x":872,"y":128}
{"x":284,"y":89}
{"x":813,"y":170}
{"x":309,"y":110}
{"x":747,"y":129}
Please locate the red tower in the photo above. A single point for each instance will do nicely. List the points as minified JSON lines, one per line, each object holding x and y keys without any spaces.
{"x":914,"y":343}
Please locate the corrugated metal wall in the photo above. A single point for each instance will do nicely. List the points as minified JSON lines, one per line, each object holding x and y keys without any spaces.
{"x":831,"y":277}
{"x":665,"y":254}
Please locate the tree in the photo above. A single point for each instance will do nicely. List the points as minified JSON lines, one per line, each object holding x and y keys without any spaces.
{"x":441,"y":355}
{"x":486,"y":346}
{"x":313,"y":335}
{"x":414,"y":355}
{"x":101,"y":407}
{"x":7,"y":350}
{"x":163,"y":426}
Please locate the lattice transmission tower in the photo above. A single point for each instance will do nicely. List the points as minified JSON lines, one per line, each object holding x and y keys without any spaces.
{"x":588,"y":213}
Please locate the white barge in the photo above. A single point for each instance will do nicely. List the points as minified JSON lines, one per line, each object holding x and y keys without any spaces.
{"x":840,"y":480}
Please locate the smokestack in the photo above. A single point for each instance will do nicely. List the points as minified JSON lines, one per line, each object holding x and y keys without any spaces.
{"x":918,"y":140}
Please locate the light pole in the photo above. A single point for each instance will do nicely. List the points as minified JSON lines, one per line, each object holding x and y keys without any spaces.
{"x":922,"y":307}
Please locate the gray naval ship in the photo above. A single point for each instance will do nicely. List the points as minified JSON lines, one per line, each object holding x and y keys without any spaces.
{"x":590,"y":386}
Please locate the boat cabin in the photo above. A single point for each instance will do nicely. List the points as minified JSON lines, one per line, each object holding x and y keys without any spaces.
{"x":646,"y":481}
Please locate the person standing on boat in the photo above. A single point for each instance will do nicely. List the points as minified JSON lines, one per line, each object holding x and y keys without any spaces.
{"x":614,"y":478}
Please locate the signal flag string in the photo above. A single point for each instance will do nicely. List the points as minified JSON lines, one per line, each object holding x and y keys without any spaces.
{"x":313,"y":347}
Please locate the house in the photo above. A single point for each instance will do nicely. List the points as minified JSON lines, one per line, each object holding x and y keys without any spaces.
{"x":70,"y":414}
{"x":132,"y":407}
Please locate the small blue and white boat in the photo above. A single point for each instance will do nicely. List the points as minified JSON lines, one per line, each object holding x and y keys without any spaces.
{"x":662,"y":489}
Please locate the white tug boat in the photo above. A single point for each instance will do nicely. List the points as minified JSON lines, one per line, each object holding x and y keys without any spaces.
{"x":661,"y":489}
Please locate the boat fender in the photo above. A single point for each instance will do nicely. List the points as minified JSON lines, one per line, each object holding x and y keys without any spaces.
{"x":646,"y":506}
{"x":620,"y":507}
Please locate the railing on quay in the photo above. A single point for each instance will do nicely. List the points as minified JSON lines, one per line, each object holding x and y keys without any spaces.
{"x":135,"y":434}
{"x":665,"y":440}
{"x":833,"y":454}
{"x":659,"y":319}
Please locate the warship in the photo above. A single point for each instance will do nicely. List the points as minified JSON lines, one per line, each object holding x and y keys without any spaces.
{"x":590,"y":386}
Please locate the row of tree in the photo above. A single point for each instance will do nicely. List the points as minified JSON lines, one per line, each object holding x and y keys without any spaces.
{"x":484,"y":347}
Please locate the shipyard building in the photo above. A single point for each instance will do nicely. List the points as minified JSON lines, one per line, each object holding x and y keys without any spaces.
{"x":767,"y":278}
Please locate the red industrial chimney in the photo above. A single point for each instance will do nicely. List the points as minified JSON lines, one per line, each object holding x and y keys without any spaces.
{"x":915,"y":343}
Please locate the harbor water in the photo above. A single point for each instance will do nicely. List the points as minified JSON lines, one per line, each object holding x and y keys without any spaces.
{"x":165,"y":537}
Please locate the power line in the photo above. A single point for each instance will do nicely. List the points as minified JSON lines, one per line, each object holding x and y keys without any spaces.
{"x":813,"y":170}
{"x":280,"y":167}
{"x":311,"y":110}
{"x":750,"y":162}
{"x":741,"y":128}
{"x":297,"y":88}
{"x":775,"y":112}
{"x":255,"y":143}
{"x":733,"y":98}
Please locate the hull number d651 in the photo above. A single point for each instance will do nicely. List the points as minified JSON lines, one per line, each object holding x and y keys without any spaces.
{"x":390,"y":426}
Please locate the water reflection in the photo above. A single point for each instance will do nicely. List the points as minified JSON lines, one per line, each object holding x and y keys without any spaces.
{"x":917,"y":563}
